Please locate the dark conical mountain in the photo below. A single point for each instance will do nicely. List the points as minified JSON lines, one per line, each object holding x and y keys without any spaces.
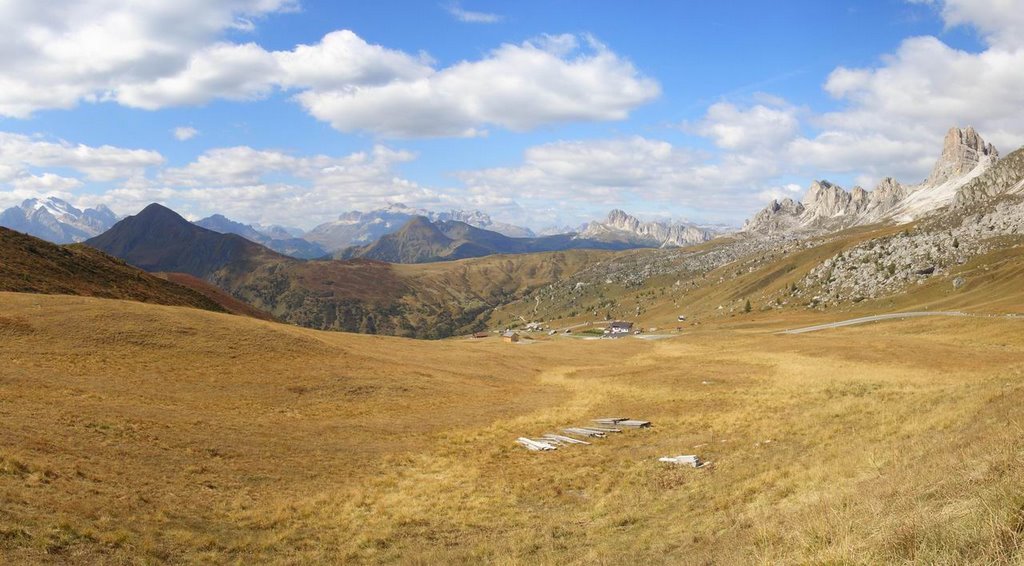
{"x":419,"y":240}
{"x":159,"y":239}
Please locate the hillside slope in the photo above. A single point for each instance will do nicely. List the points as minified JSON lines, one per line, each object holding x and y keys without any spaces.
{"x":214,"y":293}
{"x":31,"y":265}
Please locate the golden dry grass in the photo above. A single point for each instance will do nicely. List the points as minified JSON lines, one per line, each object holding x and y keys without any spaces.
{"x":137,"y":433}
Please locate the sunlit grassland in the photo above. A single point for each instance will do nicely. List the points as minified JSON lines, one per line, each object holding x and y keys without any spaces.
{"x":140,"y":433}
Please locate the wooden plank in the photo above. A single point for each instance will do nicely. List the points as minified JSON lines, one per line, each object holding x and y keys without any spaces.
{"x":602,"y":429}
{"x":535,"y":445}
{"x":634,"y":424}
{"x":565,"y":439}
{"x":610,"y":420}
{"x":689,"y":460}
{"x":584,"y":432}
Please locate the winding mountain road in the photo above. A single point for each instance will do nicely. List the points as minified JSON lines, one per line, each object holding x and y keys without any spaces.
{"x":877,"y":317}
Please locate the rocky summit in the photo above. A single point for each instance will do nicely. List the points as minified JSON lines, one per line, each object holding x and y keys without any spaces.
{"x":962,"y":151}
{"x":57,"y":221}
{"x":827,"y":207}
{"x":622,"y":227}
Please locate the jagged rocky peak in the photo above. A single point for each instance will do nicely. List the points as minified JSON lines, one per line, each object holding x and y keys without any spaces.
{"x":825,"y":200}
{"x":962,"y":151}
{"x":621,"y":219}
{"x":889,"y":186}
{"x":887,"y":194}
{"x":778,"y":216}
{"x":624,"y":227}
{"x":965,"y":156}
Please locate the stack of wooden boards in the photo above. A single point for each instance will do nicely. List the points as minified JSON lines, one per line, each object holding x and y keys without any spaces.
{"x":604,"y":426}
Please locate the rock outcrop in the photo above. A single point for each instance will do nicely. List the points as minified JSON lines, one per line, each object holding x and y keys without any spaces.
{"x":1005,"y":178}
{"x":625,"y":228}
{"x":962,"y":151}
{"x":777,"y":217}
{"x":828,"y":207}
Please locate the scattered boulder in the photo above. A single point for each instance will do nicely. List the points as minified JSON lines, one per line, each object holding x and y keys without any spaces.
{"x":959,"y":282}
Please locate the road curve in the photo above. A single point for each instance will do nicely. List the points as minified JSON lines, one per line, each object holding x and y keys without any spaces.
{"x":877,"y":317}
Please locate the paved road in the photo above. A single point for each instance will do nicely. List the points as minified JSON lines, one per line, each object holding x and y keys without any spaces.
{"x":898,"y":315}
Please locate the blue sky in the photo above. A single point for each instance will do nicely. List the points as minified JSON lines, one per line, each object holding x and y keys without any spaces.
{"x":538,"y":112}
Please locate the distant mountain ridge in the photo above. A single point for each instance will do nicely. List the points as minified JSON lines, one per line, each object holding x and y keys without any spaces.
{"x":289,"y":245}
{"x":57,"y":221}
{"x":422,"y":240}
{"x":622,"y":227}
{"x":828,"y":207}
{"x":362,"y":228}
{"x":356,"y":295}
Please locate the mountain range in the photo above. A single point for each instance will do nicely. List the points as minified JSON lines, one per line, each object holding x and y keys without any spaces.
{"x":274,"y":237}
{"x":57,"y":221}
{"x":828,"y":207}
{"x":363,"y":291}
{"x":362,"y":228}
{"x":356,"y":295}
{"x":421,"y":241}
{"x":621,"y":227}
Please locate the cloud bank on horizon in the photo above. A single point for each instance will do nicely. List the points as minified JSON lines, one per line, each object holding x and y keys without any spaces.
{"x":569,"y":124}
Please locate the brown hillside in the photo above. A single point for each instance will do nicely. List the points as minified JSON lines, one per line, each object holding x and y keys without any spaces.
{"x":215,"y":294}
{"x":31,"y":265}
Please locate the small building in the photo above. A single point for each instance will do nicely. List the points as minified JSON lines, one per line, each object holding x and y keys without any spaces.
{"x":481,"y":335}
{"x":619,"y":328}
{"x":510,"y":337}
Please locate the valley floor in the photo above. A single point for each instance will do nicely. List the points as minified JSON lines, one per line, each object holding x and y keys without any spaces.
{"x":135,"y":433}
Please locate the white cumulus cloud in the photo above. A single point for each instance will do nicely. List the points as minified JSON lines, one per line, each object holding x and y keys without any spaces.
{"x":518,"y":87}
{"x":471,"y":17}
{"x":735,"y":128}
{"x":185,"y":133}
{"x":166,"y":53}
{"x":57,"y":53}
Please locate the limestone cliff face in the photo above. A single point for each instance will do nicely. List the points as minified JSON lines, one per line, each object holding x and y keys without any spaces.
{"x":883,"y":199}
{"x":825,"y":201}
{"x":962,"y":151}
{"x":1005,"y":178}
{"x":620,"y":226}
{"x":965,"y":156}
{"x":777,"y":217}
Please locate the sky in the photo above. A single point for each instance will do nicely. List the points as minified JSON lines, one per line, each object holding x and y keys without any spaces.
{"x":539,"y":112}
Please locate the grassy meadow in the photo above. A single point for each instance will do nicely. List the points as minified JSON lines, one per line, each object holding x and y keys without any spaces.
{"x":135,"y":433}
